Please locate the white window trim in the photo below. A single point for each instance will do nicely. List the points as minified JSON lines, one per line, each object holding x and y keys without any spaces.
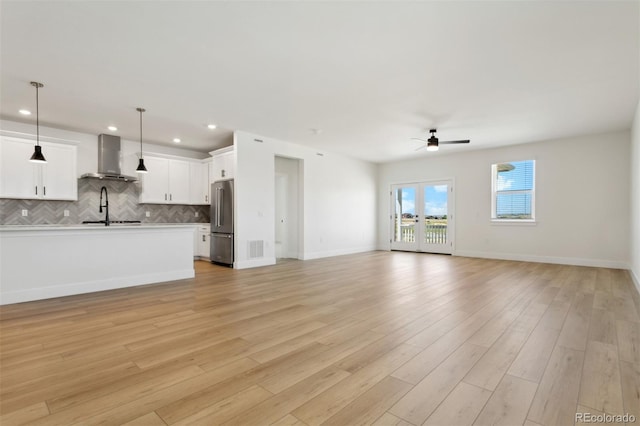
{"x":497,"y":221}
{"x":508,"y":222}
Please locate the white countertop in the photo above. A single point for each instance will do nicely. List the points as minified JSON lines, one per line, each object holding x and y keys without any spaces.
{"x":97,"y":226}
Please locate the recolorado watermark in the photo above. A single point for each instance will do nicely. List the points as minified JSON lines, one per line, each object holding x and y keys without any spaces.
{"x":605,"y":418}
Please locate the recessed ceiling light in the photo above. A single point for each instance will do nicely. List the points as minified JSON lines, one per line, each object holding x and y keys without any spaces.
{"x":112,"y":128}
{"x":25,"y":112}
{"x":211,"y":126}
{"x":176,"y":140}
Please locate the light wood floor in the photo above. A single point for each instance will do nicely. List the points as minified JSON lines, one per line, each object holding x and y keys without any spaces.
{"x":376,"y":338}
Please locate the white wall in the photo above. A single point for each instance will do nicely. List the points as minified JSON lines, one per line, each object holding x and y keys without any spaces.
{"x":88,"y":146}
{"x":635,"y":198}
{"x":339,"y":200}
{"x":582,"y":201}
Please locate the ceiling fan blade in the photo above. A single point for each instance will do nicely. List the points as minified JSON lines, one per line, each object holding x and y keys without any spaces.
{"x":462,"y":141}
{"x":420,"y":147}
{"x":418,"y":139}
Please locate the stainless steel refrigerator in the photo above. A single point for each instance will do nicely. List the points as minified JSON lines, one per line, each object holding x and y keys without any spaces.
{"x":222,"y":222}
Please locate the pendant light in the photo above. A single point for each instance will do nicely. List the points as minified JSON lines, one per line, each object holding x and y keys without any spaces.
{"x":141,"y":168}
{"x":37,"y":156}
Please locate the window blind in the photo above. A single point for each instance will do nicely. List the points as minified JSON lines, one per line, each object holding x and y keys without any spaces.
{"x":513,"y":190}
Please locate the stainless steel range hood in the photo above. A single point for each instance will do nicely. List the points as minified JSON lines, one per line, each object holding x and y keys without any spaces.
{"x":109,"y":160}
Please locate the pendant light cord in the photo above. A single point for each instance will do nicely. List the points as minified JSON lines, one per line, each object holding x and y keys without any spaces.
{"x":140,"y":110}
{"x":37,"y":116}
{"x":140,"y":132}
{"x":37,"y":86}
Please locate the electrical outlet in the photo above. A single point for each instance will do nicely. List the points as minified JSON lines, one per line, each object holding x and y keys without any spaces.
{"x":25,"y":212}
{"x":197,"y":214}
{"x":66,"y":213}
{"x":147,"y":214}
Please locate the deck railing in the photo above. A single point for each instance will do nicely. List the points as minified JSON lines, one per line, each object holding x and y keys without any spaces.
{"x":434,"y":233}
{"x":408,"y":234}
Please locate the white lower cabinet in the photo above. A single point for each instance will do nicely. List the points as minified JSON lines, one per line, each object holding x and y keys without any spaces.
{"x":202,"y":247}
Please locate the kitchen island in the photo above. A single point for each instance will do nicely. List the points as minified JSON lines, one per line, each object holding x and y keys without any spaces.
{"x":41,"y":262}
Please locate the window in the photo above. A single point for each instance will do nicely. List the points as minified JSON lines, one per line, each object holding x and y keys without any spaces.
{"x":513,"y":191}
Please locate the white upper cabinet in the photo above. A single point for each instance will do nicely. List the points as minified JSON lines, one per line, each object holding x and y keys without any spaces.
{"x":199,"y":187}
{"x":155,"y":183}
{"x":217,"y":165}
{"x":179,"y":182}
{"x":222,"y":164}
{"x":59,"y":176}
{"x":18,"y":176}
{"x":229,"y":164}
{"x":54,"y":180}
{"x":166,"y":182}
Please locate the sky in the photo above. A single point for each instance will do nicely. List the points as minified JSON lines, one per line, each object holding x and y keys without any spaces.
{"x":435,"y":200}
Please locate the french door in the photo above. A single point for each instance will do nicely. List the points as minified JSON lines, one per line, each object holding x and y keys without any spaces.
{"x":422,"y":217}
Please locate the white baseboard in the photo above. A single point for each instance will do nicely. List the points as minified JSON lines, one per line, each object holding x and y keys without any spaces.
{"x":635,"y":279}
{"x":598,"y":263}
{"x":254,"y":263}
{"x":31,"y":294}
{"x":341,"y":252}
{"x":383,"y":247}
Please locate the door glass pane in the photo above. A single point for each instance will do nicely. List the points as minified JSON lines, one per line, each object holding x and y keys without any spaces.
{"x":405,"y":212}
{"x":435,"y":214}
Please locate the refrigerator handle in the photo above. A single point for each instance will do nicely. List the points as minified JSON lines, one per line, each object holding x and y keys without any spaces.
{"x":218,"y":207}
{"x":221,"y":207}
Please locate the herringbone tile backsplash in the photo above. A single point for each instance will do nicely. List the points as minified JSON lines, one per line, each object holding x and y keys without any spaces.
{"x":123,"y":205}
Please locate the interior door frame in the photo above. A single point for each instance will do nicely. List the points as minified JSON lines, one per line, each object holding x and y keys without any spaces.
{"x":284,"y":242}
{"x":451,"y":215}
{"x":298,"y":212}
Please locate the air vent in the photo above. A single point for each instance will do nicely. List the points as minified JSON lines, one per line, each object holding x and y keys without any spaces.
{"x":256,"y":249}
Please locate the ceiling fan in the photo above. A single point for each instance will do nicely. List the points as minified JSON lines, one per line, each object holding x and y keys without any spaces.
{"x":433,"y":142}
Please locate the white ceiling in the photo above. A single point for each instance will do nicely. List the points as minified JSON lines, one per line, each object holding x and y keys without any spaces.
{"x":369,"y":75}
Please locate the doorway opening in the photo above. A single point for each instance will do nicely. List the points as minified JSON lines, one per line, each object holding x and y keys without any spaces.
{"x":422,"y":217}
{"x":288,"y":208}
